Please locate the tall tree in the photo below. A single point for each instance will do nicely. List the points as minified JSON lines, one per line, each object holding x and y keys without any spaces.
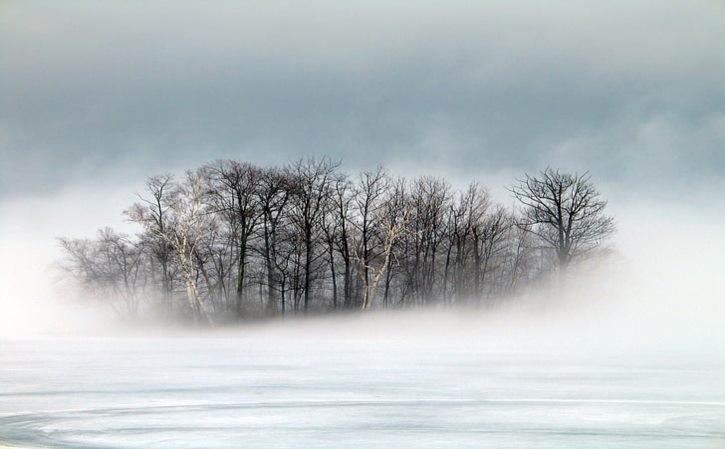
{"x":186,"y":224}
{"x":342,"y":197}
{"x":312,"y":193}
{"x":565,"y":211}
{"x":152,"y":213}
{"x":371,"y":187}
{"x":273,"y":196}
{"x":235,"y":187}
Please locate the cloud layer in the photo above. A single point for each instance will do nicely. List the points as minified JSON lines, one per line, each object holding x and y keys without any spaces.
{"x":629,"y":89}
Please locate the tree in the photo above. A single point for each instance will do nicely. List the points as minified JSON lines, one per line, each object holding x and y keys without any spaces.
{"x":188,"y":221}
{"x":465,"y":218}
{"x":489,"y":234}
{"x":267,"y":240}
{"x":392,"y":220}
{"x":273,"y":195}
{"x":235,"y":191}
{"x":343,"y":194}
{"x":312,"y":193}
{"x":565,"y":211}
{"x":110,"y":267}
{"x":371,"y":187}
{"x":153,"y":215}
{"x":430,"y":202}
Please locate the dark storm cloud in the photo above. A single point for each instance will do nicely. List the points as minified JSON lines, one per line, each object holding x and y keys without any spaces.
{"x":631,"y":90}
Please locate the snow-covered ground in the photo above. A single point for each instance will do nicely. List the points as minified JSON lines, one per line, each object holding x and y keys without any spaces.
{"x":313,"y":392}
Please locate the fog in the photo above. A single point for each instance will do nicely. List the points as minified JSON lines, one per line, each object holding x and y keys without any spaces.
{"x":624,"y":352}
{"x":462,"y":90}
{"x":658,"y":292}
{"x":626,"y":355}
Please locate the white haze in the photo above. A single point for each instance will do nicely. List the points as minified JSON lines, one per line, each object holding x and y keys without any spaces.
{"x":661,"y":292}
{"x":629,"y":357}
{"x":36,"y":298}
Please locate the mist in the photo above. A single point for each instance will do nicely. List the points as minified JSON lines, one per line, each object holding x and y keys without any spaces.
{"x":626,"y":354}
{"x":658,"y":291}
{"x":616,"y":344}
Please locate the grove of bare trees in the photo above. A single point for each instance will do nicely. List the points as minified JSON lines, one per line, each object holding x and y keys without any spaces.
{"x":232,"y":240}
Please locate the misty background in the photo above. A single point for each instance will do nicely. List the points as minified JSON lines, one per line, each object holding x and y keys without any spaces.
{"x":97,"y":96}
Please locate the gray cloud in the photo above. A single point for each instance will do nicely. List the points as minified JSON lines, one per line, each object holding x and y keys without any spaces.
{"x":96,"y":90}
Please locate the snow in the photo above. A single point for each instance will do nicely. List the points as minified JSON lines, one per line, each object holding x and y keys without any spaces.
{"x":305,"y":392}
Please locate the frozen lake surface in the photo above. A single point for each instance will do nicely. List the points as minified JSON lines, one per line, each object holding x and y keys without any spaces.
{"x":314,"y":393}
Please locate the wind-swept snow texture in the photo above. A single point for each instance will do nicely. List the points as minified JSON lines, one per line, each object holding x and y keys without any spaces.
{"x":262,"y":392}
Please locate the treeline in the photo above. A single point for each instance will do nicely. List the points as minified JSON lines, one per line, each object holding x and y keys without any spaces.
{"x":235,"y":240}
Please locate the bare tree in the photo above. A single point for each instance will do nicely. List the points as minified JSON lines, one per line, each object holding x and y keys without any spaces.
{"x":465,"y":217}
{"x":312,"y":194}
{"x":430,"y":199}
{"x":187,"y":221}
{"x":308,"y":236}
{"x":342,"y":197}
{"x":152,"y":214}
{"x":520,"y":255}
{"x":565,"y":211}
{"x":397,"y":212}
{"x":273,"y":196}
{"x":110,"y":267}
{"x":234,"y":188}
{"x":489,"y":237}
{"x":391,"y":220}
{"x":371,"y":187}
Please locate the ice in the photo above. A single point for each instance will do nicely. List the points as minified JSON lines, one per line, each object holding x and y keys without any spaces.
{"x":229,"y":392}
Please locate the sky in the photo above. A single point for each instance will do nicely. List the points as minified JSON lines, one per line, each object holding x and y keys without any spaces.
{"x":96,"y":96}
{"x":99,"y":93}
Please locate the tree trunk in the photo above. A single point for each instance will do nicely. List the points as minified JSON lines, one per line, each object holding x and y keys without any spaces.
{"x":334,"y":276}
{"x":308,"y":267}
{"x":241,"y":274}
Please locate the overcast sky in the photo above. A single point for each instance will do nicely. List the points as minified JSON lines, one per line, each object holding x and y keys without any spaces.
{"x":97,"y":95}
{"x":96,"y":92}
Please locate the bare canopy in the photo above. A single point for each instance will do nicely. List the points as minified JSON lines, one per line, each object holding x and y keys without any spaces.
{"x":234,"y":241}
{"x":565,"y":211}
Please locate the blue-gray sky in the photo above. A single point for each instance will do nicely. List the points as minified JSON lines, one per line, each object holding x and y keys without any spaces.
{"x":96,"y":95}
{"x":95,"y":91}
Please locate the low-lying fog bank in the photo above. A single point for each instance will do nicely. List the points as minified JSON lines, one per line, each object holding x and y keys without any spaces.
{"x":660,"y":291}
{"x":623,"y":354}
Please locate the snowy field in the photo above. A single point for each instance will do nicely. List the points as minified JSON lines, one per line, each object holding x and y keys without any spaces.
{"x":304,"y":392}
